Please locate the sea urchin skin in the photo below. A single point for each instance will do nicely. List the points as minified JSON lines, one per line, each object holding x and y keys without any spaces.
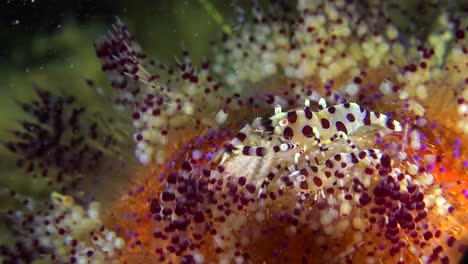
{"x":375,"y":177}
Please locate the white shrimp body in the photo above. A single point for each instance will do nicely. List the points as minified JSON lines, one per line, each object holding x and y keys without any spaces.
{"x":300,"y":126}
{"x":304,"y":128}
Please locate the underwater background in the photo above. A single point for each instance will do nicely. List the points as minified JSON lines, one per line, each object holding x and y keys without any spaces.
{"x":50,"y":44}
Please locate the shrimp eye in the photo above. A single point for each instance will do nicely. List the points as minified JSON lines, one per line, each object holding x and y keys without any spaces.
{"x":283,"y":122}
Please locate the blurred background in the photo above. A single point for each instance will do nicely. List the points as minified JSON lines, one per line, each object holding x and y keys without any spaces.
{"x":50,"y":43}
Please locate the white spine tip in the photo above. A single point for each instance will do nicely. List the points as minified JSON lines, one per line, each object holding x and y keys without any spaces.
{"x":323,"y":103}
{"x":278,"y":109}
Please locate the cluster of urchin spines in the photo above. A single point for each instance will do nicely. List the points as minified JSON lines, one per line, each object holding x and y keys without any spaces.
{"x":59,"y":140}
